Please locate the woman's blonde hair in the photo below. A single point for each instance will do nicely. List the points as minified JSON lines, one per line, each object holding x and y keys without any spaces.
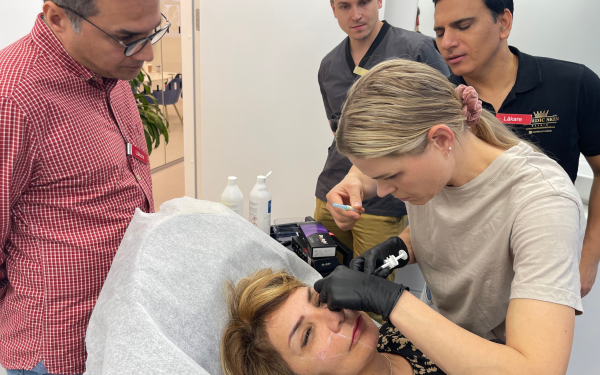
{"x":390,"y":110}
{"x":245,"y":345}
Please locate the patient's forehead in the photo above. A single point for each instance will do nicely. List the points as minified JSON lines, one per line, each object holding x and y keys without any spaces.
{"x":293,"y":307}
{"x":281,"y":322}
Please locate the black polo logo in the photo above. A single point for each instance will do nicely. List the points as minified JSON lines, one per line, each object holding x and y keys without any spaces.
{"x":542,"y":122}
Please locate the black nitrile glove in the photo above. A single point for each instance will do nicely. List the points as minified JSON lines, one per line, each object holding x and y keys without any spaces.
{"x":372,"y":259}
{"x":358,"y":291}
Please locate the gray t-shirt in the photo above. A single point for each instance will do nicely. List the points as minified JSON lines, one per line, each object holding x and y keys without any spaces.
{"x":335,"y":79}
{"x":515,"y":231}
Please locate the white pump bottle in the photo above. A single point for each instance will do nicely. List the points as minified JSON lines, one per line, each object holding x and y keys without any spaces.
{"x":232,"y":197}
{"x":260,"y":204}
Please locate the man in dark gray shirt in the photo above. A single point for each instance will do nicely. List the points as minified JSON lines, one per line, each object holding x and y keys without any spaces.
{"x":369,"y":42}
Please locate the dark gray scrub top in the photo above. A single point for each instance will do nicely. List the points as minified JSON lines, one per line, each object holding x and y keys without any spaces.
{"x":335,"y":79}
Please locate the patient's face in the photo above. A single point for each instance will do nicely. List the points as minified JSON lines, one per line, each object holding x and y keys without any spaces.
{"x":313,"y":340}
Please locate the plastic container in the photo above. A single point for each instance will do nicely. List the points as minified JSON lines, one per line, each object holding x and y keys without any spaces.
{"x":232,"y":196}
{"x":260,"y":205}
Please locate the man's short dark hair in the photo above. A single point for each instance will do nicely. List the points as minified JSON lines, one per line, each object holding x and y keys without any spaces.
{"x":86,"y":8}
{"x":496,"y":7}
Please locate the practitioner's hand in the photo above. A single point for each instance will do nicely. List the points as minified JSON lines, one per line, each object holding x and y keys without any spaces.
{"x":588,"y":271}
{"x":353,"y":290}
{"x":372,"y":259}
{"x":348,"y":192}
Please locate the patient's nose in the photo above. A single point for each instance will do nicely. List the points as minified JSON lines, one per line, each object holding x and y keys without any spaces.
{"x":333,"y":319}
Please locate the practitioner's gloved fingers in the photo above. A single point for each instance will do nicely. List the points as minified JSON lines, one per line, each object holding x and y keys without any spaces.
{"x":325,"y":296}
{"x":383,"y":273}
{"x":374,"y":258}
{"x":358,"y":291}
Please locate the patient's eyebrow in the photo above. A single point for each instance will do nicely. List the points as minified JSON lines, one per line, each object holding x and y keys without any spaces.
{"x":299,"y":320}
{"x":295,"y":329}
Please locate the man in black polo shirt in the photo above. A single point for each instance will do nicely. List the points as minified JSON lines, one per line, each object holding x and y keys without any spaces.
{"x":555,"y":104}
{"x":370,"y":41}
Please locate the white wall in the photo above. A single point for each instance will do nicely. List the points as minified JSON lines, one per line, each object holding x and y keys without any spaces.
{"x":18,"y":19}
{"x":261,"y":107}
{"x":401,"y":13}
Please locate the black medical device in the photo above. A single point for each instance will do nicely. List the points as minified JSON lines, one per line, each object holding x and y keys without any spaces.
{"x":324,"y":266}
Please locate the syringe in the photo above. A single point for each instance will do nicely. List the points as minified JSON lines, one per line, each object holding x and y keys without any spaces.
{"x":344,"y":207}
{"x":392,"y":261}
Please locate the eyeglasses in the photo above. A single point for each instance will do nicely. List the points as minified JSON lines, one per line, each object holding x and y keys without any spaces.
{"x":133,"y":47}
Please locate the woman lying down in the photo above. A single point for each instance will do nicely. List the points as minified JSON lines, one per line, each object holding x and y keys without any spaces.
{"x":277,"y":326}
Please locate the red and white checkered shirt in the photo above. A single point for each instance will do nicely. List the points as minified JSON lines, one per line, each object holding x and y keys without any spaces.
{"x":68,"y":191}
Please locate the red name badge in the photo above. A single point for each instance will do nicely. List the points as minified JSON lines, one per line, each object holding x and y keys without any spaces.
{"x":137,"y":153}
{"x":514,"y":119}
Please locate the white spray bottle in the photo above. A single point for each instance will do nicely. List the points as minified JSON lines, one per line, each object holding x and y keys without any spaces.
{"x":260,"y":204}
{"x":232,"y":197}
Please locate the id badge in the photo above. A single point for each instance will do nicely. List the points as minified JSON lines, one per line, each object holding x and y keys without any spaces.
{"x":511,"y":119}
{"x":137,"y":153}
{"x":360,"y":71}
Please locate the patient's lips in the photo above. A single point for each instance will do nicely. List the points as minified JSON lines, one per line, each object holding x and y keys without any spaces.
{"x":356,"y":331}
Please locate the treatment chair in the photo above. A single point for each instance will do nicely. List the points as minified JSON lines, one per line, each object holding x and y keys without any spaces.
{"x":162,"y":308}
{"x":170,"y":95}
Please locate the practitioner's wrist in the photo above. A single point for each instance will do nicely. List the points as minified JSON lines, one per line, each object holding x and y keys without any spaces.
{"x":384,"y":295}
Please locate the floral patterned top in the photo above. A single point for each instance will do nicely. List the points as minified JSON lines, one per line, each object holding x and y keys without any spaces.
{"x":394,"y":342}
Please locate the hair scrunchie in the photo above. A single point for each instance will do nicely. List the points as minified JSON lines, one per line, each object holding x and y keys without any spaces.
{"x":472,"y":107}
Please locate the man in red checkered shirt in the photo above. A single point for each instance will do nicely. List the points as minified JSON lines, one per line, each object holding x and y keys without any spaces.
{"x":73,"y":171}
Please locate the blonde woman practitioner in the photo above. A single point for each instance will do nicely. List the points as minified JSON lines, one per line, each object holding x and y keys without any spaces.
{"x":495,"y":226}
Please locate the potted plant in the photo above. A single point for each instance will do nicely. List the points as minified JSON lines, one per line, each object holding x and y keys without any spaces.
{"x":155,"y":122}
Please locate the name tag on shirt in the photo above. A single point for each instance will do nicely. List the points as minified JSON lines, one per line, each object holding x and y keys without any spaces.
{"x":506,"y":118}
{"x":360,"y":71}
{"x":137,"y":153}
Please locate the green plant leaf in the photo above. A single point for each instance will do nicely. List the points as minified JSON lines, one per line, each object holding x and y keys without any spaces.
{"x":154,"y":121}
{"x":148,"y":142}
